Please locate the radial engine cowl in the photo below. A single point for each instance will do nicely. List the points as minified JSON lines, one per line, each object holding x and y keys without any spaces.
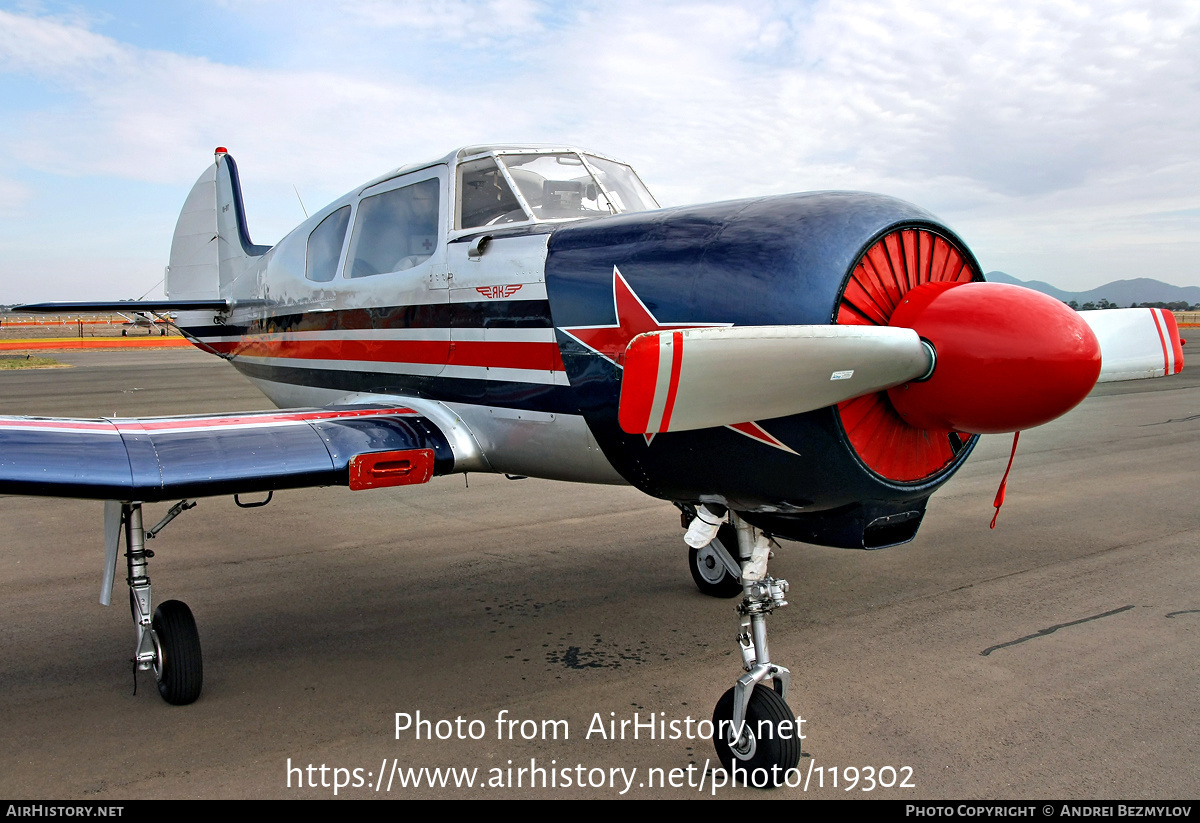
{"x":1008,"y":358}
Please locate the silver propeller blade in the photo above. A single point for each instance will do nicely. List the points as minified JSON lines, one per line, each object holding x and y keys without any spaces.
{"x":698,"y":378}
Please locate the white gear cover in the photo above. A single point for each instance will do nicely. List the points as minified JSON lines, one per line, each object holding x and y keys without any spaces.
{"x":702,"y":529}
{"x":756,"y":569}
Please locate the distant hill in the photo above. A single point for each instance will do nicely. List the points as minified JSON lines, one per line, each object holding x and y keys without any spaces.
{"x":1122,"y":292}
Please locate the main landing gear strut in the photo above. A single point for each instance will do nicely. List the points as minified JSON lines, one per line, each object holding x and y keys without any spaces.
{"x":756,"y":735}
{"x":167,"y":642}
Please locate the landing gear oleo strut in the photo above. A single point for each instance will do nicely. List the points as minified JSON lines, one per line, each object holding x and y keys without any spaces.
{"x":168,"y":643}
{"x":756,"y":735}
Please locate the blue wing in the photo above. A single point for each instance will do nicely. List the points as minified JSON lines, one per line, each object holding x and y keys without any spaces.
{"x":152,"y":459}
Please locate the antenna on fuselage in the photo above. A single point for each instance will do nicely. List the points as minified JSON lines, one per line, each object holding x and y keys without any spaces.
{"x":152,"y":288}
{"x":301,"y":201}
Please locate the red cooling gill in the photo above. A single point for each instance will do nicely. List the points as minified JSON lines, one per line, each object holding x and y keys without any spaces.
{"x":897,"y":263}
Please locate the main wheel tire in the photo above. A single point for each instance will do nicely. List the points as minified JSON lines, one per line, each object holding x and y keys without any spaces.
{"x":179,"y":667}
{"x":765,"y":753}
{"x":709,"y":572}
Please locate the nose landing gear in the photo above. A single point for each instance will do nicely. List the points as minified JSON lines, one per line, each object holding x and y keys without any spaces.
{"x":756,"y":734}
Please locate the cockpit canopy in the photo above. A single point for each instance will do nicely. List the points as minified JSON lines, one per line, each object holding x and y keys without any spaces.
{"x":504,"y":186}
{"x":403,"y":220}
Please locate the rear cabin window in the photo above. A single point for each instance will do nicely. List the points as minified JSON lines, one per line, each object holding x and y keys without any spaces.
{"x":395,"y":230}
{"x":325,"y":246}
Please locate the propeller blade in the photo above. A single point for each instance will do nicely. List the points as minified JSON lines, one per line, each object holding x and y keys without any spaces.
{"x":1136,"y":343}
{"x":698,"y":378}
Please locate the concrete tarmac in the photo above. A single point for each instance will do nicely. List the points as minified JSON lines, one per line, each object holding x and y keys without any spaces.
{"x":1052,"y":657}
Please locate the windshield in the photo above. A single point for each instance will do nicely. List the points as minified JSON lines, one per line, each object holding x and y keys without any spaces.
{"x":548,"y":186}
{"x":625,"y":190}
{"x":556,"y":185}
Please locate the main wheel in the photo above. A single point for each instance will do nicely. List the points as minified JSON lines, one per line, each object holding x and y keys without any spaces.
{"x":708,"y":570}
{"x":179,"y":667}
{"x":769,"y":746}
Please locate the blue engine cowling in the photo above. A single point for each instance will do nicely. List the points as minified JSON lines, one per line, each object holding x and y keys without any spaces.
{"x":769,"y":261}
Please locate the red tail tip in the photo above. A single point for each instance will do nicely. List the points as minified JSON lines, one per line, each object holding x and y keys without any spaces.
{"x":221,"y":150}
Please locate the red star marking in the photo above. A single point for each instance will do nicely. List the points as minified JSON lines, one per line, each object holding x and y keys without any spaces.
{"x":633,"y":318}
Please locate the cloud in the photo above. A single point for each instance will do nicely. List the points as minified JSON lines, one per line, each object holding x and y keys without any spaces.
{"x":1022,"y":99}
{"x":152,"y":115}
{"x":475,"y":24}
{"x":991,"y":115}
{"x":13,"y":197}
{"x":54,"y":46}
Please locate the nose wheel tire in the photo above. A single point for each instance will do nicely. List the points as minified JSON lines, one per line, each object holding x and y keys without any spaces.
{"x":769,"y":745}
{"x":708,"y":570}
{"x":178,"y":665}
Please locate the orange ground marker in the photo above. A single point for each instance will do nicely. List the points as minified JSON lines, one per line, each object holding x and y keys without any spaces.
{"x":42,"y":323}
{"x":52,"y":343}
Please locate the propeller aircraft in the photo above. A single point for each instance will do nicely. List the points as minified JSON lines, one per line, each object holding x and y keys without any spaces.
{"x":806,"y":367}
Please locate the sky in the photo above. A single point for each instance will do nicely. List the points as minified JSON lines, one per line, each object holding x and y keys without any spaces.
{"x":1061,"y":140}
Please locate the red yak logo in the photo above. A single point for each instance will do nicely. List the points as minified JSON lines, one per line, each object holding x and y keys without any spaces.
{"x":494,"y":292}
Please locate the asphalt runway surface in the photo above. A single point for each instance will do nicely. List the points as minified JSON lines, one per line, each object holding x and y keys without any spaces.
{"x":1053,"y":657}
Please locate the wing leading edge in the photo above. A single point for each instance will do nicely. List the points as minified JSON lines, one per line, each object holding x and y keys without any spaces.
{"x":153,"y":459}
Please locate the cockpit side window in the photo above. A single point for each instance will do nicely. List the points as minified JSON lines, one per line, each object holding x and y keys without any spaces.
{"x":395,"y":230}
{"x":484,"y":196}
{"x":325,"y":246}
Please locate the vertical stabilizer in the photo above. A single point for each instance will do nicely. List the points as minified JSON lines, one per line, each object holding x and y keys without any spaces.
{"x":211,"y":247}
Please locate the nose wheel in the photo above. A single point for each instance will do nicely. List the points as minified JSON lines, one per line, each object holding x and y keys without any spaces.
{"x":767,"y":746}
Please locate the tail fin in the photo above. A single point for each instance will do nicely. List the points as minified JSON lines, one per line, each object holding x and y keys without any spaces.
{"x":211,"y":247}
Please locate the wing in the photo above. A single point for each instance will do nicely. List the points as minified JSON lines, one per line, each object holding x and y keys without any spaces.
{"x":160,"y":458}
{"x":156,"y":306}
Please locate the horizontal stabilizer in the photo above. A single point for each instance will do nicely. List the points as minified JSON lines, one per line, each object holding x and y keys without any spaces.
{"x":697,"y":378}
{"x":1136,"y":343}
{"x":153,"y":306}
{"x":163,"y":458}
